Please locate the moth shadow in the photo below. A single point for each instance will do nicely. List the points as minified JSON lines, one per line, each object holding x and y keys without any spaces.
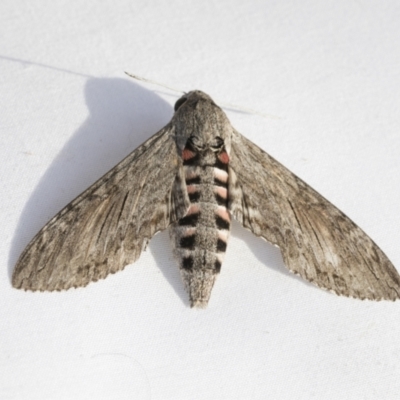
{"x":122,"y":115}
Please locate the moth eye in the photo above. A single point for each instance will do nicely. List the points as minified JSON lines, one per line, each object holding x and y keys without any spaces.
{"x":180,"y":102}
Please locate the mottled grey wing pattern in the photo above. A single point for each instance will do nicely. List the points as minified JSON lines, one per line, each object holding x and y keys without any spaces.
{"x":108,"y":225}
{"x":318,"y":242}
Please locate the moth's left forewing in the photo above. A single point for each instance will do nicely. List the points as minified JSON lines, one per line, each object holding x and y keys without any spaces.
{"x":317,"y":240}
{"x":108,"y":225}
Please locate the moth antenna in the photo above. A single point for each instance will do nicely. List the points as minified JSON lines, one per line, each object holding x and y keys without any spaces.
{"x":247,"y":110}
{"x":222,"y":104}
{"x":139,"y":78}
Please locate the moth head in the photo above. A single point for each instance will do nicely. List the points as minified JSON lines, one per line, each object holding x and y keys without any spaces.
{"x":180,"y":101}
{"x":191,"y":99}
{"x":200,"y":122}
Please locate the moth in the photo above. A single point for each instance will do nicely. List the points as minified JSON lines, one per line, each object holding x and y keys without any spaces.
{"x":193,"y":177}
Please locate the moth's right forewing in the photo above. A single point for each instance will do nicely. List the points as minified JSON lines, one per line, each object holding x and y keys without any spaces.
{"x":108,"y":225}
{"x":317,"y":240}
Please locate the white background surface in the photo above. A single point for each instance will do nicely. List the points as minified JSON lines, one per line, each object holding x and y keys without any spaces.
{"x":328,"y":74}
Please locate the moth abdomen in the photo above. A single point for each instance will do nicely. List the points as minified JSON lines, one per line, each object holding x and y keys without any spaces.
{"x":200,"y":238}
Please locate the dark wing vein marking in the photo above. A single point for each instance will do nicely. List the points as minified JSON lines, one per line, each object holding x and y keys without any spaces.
{"x":317,"y":241}
{"x":108,"y":225}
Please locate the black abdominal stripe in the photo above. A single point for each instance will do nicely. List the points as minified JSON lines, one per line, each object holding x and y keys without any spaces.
{"x":200,"y":237}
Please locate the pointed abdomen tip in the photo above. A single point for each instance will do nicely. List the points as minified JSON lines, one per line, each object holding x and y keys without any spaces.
{"x":199,"y":304}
